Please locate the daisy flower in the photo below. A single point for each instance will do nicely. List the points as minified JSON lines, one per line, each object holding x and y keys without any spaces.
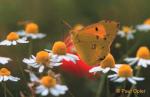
{"x":145,"y":26}
{"x":41,"y":60}
{"x":4,"y":60}
{"x":106,"y":65}
{"x":125,"y":72}
{"x":59,"y":53}
{"x":48,"y":84}
{"x":142,"y":57}
{"x":12,"y":39}
{"x":126,"y":32}
{"x":32,"y":31}
{"x":5,"y":75}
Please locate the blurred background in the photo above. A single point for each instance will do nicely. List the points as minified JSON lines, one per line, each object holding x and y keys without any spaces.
{"x":49,"y":14}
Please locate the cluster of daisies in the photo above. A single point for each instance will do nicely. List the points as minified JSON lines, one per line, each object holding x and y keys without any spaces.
{"x":123,"y":72}
{"x":128,"y":32}
{"x":46,"y":60}
{"x":44,"y":82}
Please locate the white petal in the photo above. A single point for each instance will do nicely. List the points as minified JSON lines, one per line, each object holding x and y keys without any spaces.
{"x":22,"y":40}
{"x":118,"y":65}
{"x":55,"y":64}
{"x":48,"y":50}
{"x":1,"y":78}
{"x":21,"y":33}
{"x":31,"y":62}
{"x":54,"y":92}
{"x":114,"y":69}
{"x":5,"y":42}
{"x":28,"y":61}
{"x":65,"y":58}
{"x":13,"y":78}
{"x":143,"y":27}
{"x":138,"y":78}
{"x":120,"y":79}
{"x":95,"y":69}
{"x":41,"y":69}
{"x":147,"y":62}
{"x":40,"y":89}
{"x":113,"y":75}
{"x":121,"y":33}
{"x":131,"y":61}
{"x":61,"y":87}
{"x":130,"y":36}
{"x":14,"y":42}
{"x":113,"y":78}
{"x":33,"y":77}
{"x":41,"y":35}
{"x":45,"y":92}
{"x":142,"y":63}
{"x":5,"y":78}
{"x":36,"y":36}
{"x":4,"y":60}
{"x":75,"y":57}
{"x":106,"y":70}
{"x":131,"y":80}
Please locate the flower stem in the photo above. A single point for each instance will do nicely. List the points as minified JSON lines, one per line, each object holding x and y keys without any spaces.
{"x":30,"y":51}
{"x":30,"y":47}
{"x":5,"y":94}
{"x":133,"y":86}
{"x":101,"y":84}
{"x":107,"y":84}
{"x":6,"y":90}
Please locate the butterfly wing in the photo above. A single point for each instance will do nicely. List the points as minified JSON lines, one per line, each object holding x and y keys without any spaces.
{"x":93,"y":42}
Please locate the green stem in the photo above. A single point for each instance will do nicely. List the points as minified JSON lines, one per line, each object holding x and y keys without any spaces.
{"x":6,"y":90}
{"x":107,"y":84}
{"x":101,"y":84}
{"x":133,"y":86}
{"x":5,"y":94}
{"x":71,"y":93}
{"x":30,"y":47}
{"x":30,"y":51}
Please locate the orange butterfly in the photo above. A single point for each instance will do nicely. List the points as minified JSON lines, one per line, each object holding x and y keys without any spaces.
{"x":93,"y":42}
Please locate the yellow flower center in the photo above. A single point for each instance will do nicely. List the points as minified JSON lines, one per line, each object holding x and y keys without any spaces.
{"x":59,"y":48}
{"x":31,"y":28}
{"x":125,"y":71}
{"x":126,"y":29}
{"x":4,"y":72}
{"x":12,"y":36}
{"x":42,"y":57}
{"x":108,"y":62}
{"x":143,"y":52}
{"x":147,"y":22}
{"x":78,"y":27}
{"x":48,"y":81}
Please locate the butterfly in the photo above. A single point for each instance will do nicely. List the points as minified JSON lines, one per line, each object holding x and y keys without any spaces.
{"x":93,"y":42}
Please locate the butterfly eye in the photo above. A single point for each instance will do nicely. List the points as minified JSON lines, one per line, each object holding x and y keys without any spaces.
{"x":96,"y":28}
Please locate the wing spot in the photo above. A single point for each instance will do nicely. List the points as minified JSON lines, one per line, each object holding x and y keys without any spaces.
{"x":101,"y":58}
{"x":96,"y":28}
{"x":105,"y":38}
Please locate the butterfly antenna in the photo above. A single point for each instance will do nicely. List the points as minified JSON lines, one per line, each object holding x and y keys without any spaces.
{"x":67,"y":24}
